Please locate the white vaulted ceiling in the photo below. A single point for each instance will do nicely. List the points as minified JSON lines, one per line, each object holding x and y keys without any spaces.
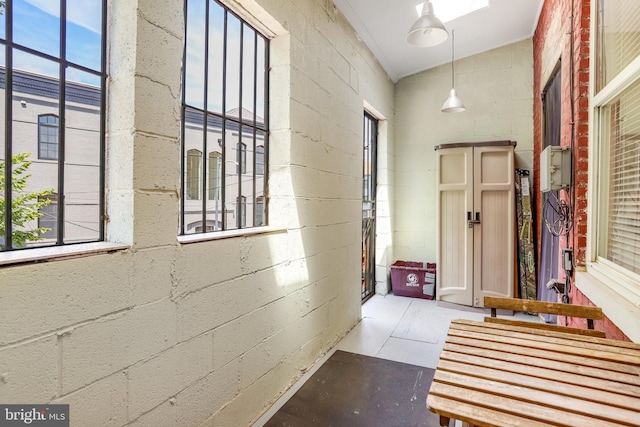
{"x":383,"y":26}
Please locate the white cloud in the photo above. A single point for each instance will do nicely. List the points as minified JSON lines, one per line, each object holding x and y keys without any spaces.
{"x":85,"y":13}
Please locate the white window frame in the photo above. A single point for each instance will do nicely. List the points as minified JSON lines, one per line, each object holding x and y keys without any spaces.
{"x":607,"y":285}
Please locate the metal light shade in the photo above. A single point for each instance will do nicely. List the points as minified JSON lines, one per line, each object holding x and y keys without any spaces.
{"x":428,"y":30}
{"x":453,"y":104}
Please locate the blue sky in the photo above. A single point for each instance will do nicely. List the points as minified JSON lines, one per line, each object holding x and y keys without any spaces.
{"x":194,"y":90}
{"x":37,"y":25}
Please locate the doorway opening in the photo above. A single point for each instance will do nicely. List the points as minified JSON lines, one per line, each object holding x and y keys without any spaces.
{"x":369,"y":181}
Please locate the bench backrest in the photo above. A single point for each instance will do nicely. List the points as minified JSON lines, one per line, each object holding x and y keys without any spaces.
{"x":530,"y":306}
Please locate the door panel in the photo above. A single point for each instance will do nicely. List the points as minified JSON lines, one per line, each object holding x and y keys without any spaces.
{"x":493,"y":238}
{"x":494,"y":247}
{"x":455,"y":251}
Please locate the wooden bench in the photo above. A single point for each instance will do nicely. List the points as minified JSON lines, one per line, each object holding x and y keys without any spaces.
{"x":530,"y":306}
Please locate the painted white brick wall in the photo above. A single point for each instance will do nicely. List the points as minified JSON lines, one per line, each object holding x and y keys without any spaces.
{"x":497,"y":90}
{"x":206,"y":333}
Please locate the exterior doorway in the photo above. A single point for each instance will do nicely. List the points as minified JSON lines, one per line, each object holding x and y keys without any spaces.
{"x":369,"y":181}
{"x":549,"y":239}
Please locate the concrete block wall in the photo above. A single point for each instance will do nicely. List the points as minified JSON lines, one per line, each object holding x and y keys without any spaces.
{"x":497,"y":90}
{"x":209,"y":333}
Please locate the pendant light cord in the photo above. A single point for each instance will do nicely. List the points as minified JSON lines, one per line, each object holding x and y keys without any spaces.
{"x":452,"y":57}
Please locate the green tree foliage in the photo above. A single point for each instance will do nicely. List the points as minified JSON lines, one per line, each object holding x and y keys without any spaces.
{"x":25,"y":206}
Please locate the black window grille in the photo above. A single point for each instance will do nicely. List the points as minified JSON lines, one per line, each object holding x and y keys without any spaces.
{"x":52,"y":73}
{"x":225,"y":119}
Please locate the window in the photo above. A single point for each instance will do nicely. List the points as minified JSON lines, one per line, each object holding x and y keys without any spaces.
{"x":194,"y":174}
{"x":199,"y":228}
{"x":621,"y":230}
{"x":614,"y":242}
{"x":53,"y":86}
{"x":49,"y":218}
{"x":225,"y":81}
{"x":260,"y":160}
{"x":259,"y":208}
{"x":48,"y":137}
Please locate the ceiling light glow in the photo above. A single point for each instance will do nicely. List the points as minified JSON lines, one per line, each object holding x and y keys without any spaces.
{"x":448,"y":10}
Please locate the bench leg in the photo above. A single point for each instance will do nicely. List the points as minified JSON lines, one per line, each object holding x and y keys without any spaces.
{"x":444,"y":421}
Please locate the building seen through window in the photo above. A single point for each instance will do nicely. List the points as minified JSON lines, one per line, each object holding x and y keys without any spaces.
{"x":53,"y":182}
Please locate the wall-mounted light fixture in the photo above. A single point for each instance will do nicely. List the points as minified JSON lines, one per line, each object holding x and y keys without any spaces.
{"x":453,"y":104}
{"x":428,"y":30}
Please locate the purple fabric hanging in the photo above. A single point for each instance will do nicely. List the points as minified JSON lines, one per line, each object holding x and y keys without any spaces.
{"x":548,"y":268}
{"x":549,"y":244}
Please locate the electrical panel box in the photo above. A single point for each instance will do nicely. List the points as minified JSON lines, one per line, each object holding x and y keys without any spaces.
{"x":555,"y":168}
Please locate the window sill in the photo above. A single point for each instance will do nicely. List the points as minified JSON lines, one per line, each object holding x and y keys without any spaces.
{"x":55,"y":253}
{"x":620,"y":310}
{"x":217,"y":235}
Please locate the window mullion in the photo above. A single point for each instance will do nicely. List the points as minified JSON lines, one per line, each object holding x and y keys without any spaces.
{"x":8,"y":149}
{"x":205,"y":120}
{"x":265,"y":123}
{"x":255,"y":136}
{"x":225,"y":46}
{"x":103,"y":109}
{"x":62,"y":97}
{"x":241,"y":153}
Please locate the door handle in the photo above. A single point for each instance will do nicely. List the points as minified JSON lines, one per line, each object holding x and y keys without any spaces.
{"x":471,"y":222}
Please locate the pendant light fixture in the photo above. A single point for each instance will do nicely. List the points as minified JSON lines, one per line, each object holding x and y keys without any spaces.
{"x":428,"y":30}
{"x":453,"y":104}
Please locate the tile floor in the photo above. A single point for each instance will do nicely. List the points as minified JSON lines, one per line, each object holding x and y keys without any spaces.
{"x":408,"y":330}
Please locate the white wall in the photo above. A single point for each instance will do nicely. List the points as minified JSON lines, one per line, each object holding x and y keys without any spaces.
{"x":207,"y":333}
{"x":497,"y":90}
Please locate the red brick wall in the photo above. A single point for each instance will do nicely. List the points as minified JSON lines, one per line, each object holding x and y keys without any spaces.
{"x":557,"y":40}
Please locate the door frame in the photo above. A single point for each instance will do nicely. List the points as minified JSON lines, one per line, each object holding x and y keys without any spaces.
{"x":369,"y":194}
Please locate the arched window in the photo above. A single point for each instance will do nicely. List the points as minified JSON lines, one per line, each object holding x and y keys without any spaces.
{"x":260,"y":210}
{"x":194,"y":175}
{"x":48,"y":137}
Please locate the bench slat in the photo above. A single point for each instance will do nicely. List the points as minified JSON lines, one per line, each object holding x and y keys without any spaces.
{"x":546,"y":326}
{"x":532,"y":306}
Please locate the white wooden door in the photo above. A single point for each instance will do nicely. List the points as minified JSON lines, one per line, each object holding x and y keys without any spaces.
{"x":476,"y":214}
{"x":454,"y":275}
{"x":493,"y":237}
